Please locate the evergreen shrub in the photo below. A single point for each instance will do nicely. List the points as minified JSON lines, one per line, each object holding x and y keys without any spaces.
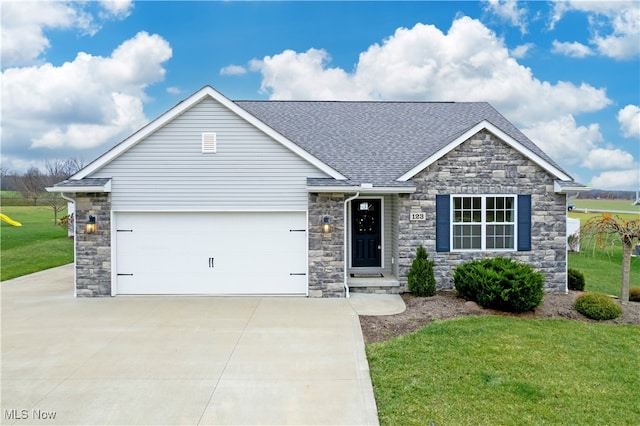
{"x":575,"y":279}
{"x":420,"y":279}
{"x":597,"y":306}
{"x":500,"y":283}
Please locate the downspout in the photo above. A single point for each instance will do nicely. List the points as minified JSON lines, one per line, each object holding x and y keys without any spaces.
{"x":344,"y":245}
{"x":75,"y":234}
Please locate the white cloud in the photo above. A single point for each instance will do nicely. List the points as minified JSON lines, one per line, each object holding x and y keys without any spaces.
{"x":522,"y":50}
{"x":629,"y":119}
{"x":83,"y":103}
{"x":469,"y":63}
{"x":509,"y":11}
{"x":117,"y":8}
{"x":23,"y":39}
{"x":607,"y":159}
{"x":292,"y":75}
{"x":233,"y":70}
{"x":562,"y":138}
{"x":615,"y":25}
{"x":24,"y":24}
{"x":174,"y":90}
{"x":572,"y":49}
{"x":619,"y":179}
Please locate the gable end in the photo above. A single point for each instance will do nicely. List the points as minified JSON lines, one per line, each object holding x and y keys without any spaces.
{"x":485,"y":125}
{"x":167,"y":117}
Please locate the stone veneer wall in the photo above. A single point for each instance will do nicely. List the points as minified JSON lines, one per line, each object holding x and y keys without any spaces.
{"x":485,"y":165}
{"x":326,"y":253}
{"x":93,"y":251}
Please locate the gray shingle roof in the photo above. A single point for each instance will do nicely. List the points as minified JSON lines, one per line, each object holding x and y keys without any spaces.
{"x":84,"y":182}
{"x":376,"y":142}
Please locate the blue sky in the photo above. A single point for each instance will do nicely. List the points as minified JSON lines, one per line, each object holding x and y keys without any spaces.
{"x":79,"y":77}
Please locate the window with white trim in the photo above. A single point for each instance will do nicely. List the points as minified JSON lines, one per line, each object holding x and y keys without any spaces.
{"x":483,"y":222}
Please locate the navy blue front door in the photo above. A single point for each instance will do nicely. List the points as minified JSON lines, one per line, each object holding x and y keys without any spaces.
{"x":366,"y":241}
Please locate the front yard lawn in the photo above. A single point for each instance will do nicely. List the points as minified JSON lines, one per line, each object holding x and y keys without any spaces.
{"x":497,"y":370}
{"x":34,"y":246}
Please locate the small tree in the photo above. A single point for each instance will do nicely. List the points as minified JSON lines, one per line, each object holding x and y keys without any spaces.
{"x":420,"y":278}
{"x":32,"y":184}
{"x":57,"y":171}
{"x":606,"y":227}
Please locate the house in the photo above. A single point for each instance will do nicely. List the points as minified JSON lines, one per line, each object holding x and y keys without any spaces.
{"x":313,"y":198}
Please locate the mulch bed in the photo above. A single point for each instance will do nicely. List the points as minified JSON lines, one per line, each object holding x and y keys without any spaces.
{"x":445,"y":304}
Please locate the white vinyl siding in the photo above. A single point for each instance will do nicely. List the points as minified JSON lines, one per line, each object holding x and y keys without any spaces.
{"x":387,"y":240}
{"x":250,"y":171}
{"x":395,"y":232}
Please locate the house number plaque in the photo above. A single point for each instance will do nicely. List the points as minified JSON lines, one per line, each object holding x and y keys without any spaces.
{"x":418,"y":216}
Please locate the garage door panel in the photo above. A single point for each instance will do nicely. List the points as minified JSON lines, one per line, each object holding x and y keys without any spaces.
{"x":212,"y":253}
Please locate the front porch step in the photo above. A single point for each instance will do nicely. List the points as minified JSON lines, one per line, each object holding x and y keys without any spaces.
{"x":384,"y":281}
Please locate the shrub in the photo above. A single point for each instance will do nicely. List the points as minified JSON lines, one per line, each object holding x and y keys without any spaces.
{"x":576,"y":279}
{"x":420,"y":278}
{"x":500,"y":283}
{"x":634,"y":294}
{"x":598,"y":306}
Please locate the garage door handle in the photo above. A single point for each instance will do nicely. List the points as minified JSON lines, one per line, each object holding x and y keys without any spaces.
{"x":297,"y":230}
{"x":297,"y":273}
{"x":125,"y":275}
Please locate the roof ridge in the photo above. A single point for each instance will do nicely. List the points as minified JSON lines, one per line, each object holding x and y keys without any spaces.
{"x":357,"y":102}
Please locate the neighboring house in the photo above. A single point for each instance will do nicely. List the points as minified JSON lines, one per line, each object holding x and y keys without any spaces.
{"x":313,"y":198}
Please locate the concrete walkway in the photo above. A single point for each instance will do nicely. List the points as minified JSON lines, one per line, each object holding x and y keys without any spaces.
{"x":179,"y":360}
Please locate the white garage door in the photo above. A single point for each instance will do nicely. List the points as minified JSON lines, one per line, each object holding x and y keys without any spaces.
{"x":211,"y":253}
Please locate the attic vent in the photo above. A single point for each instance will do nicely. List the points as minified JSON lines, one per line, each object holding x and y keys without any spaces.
{"x":209,"y":143}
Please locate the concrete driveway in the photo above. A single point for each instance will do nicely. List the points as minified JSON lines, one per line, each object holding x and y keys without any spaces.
{"x":178,"y":360}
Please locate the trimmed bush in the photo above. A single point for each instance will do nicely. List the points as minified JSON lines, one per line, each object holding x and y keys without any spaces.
{"x":575,"y":279}
{"x":420,"y":278}
{"x":598,"y":306}
{"x":634,"y":294}
{"x":500,"y":283}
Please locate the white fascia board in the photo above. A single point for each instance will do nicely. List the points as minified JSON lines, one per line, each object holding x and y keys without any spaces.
{"x":566,"y":189}
{"x":81,"y":188}
{"x":485,"y":125}
{"x":360,"y":189}
{"x":174,"y":112}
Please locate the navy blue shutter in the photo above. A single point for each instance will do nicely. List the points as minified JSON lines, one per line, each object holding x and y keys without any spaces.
{"x":524,"y":222}
{"x":443,"y":227}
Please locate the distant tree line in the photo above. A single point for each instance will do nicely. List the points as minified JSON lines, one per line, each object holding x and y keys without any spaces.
{"x":32,"y":183}
{"x":595,"y":194}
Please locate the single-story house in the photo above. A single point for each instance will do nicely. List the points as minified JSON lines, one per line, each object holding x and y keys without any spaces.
{"x":313,"y":198}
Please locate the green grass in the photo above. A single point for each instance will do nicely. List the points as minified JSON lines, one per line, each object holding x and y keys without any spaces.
{"x":609,"y":205}
{"x":34,"y":246}
{"x":508,"y":371}
{"x":602,"y":269}
{"x":602,"y":266}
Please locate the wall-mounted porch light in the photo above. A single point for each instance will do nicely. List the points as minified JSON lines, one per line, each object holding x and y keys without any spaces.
{"x":326,"y":224}
{"x":91,"y":226}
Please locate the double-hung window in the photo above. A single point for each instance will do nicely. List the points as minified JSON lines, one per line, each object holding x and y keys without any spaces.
{"x":483,"y":222}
